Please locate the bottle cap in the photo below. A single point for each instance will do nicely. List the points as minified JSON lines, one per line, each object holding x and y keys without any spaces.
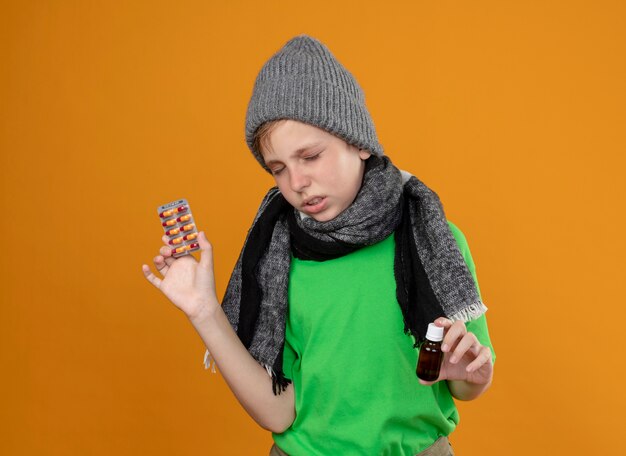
{"x":434,"y":333}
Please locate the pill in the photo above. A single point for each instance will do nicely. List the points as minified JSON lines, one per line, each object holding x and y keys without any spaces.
{"x":184,"y":248}
{"x":180,"y":229}
{"x":193,"y":246}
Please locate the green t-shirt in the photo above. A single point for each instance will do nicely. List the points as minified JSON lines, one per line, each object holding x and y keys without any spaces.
{"x":352,"y":366}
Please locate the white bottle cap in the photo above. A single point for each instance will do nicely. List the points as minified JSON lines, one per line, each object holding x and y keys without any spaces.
{"x":434,"y":333}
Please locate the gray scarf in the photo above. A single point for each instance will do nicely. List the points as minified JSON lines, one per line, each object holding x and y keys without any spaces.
{"x":432,"y":278}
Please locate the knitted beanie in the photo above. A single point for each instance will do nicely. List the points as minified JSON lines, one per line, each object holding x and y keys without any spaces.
{"x":305,"y":82}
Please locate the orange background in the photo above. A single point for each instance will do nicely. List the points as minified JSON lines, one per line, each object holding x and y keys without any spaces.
{"x":513,"y":112}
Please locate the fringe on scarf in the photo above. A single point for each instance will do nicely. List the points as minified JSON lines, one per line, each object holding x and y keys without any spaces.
{"x":279,"y":381}
{"x":470,"y":312}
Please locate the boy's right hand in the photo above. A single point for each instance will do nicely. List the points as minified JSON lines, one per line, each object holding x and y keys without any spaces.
{"x":189,"y":284}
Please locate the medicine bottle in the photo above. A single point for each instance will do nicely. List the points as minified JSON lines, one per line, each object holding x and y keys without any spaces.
{"x":430,"y":356}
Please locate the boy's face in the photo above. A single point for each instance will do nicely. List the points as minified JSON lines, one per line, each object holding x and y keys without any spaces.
{"x":317,"y":172}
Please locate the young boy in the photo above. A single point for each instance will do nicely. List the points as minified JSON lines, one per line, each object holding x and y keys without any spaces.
{"x":346,"y":263}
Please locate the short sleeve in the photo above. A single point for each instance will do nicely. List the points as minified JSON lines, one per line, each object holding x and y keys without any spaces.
{"x":289,"y":359}
{"x":478,"y":326}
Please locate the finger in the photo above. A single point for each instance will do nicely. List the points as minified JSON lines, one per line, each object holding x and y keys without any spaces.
{"x":206,"y":251}
{"x":166,"y":252}
{"x":483,"y":358}
{"x":455,"y":332}
{"x":466,"y":343}
{"x":444,"y":322}
{"x":154,"y":280}
{"x":476,"y":348}
{"x":160,"y":264}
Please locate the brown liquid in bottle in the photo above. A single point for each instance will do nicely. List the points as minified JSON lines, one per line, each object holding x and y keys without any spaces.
{"x":431,"y":356}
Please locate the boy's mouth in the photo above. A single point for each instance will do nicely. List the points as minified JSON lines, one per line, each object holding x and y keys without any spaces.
{"x":313,"y":201}
{"x":314,"y":205}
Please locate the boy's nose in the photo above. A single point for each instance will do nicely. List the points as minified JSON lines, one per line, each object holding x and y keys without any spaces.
{"x":298,"y":180}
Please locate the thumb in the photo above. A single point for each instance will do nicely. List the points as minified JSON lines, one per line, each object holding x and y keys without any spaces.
{"x":206,"y":250}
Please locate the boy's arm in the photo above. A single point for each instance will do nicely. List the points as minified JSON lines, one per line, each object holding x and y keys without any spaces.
{"x":461,"y":389}
{"x":465,"y":391}
{"x":247,"y":379}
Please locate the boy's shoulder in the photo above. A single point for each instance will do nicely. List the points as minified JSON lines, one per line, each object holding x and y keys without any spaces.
{"x":458,"y":234}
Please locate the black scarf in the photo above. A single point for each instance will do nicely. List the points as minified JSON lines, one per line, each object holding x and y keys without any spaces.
{"x":432,"y":279}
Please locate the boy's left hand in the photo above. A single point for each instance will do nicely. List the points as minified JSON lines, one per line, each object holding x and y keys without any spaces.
{"x":464,"y":357}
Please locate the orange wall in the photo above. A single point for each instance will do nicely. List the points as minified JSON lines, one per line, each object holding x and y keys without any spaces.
{"x":514,"y":112}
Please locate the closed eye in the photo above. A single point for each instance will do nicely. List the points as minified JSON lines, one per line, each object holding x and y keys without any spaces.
{"x":312,"y":157}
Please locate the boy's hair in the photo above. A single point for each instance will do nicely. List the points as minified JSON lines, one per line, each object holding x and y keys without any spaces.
{"x":304,"y":81}
{"x":261,"y":139}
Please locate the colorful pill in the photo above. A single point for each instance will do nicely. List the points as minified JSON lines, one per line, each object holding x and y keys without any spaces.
{"x":179,"y":227}
{"x":182,"y":249}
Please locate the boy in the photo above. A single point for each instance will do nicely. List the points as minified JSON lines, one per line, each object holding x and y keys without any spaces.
{"x":346,"y":263}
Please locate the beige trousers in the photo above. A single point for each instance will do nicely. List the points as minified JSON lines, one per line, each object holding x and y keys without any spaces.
{"x":441,"y":447}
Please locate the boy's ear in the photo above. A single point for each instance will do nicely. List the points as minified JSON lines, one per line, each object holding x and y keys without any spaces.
{"x":364,"y":154}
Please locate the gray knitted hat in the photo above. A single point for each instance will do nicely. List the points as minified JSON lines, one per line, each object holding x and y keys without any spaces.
{"x":304,"y":81}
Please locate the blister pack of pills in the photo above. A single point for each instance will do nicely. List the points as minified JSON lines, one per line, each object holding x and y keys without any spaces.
{"x":179,"y":227}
